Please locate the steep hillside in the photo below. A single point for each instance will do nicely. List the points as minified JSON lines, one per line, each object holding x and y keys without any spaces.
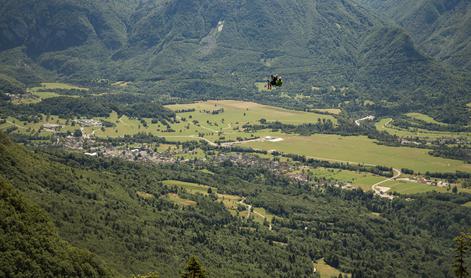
{"x":125,"y":214}
{"x":441,"y":28}
{"x":31,"y":247}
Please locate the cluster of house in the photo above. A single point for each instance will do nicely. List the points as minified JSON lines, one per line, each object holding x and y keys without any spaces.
{"x":247,"y":160}
{"x":144,"y":154}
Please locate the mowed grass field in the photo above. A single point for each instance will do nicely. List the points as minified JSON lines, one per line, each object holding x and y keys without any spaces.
{"x":361,"y":149}
{"x":333,"y":111}
{"x":407,"y":187}
{"x":410,"y":187}
{"x":234,"y":113}
{"x":64,"y":86}
{"x":385,"y":125}
{"x":357,"y":179}
{"x":425,"y":118}
{"x":226,"y":125}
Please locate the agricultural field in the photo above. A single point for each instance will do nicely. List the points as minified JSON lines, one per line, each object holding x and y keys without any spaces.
{"x":174,"y":198}
{"x":242,"y":112}
{"x":385,"y":125}
{"x":332,"y":111}
{"x":37,"y":128}
{"x":407,"y":187}
{"x":362,"y":150}
{"x":44,"y":95}
{"x":410,"y":187}
{"x":360,"y":180}
{"x":223,"y":120}
{"x":192,"y":188}
{"x":231,"y":202}
{"x":41,"y":92}
{"x":63,"y":86}
{"x":207,"y":122}
{"x":425,"y":118}
{"x":326,"y":271}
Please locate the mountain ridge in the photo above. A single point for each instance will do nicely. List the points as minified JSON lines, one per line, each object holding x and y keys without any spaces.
{"x":187,"y":49}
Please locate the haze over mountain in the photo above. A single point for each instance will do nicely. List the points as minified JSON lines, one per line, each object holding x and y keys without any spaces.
{"x":137,"y":135}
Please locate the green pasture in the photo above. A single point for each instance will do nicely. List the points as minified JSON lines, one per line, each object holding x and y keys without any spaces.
{"x":407,"y":187}
{"x":44,"y":95}
{"x":229,"y":201}
{"x":174,"y":198}
{"x":333,"y":111}
{"x":425,"y":118}
{"x":237,"y":113}
{"x":260,"y":214}
{"x":193,"y":188}
{"x":362,"y":150}
{"x":385,"y":125}
{"x":63,"y":86}
{"x":326,"y":271}
{"x":226,"y":126}
{"x":357,"y":179}
{"x":35,"y":128}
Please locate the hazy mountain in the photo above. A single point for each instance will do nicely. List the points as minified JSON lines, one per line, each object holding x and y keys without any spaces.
{"x":441,"y":28}
{"x":216,"y":46}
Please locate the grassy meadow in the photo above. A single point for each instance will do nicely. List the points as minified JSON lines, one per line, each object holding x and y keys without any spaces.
{"x":333,"y":111}
{"x":226,"y":125}
{"x":241,"y":112}
{"x":326,"y":271}
{"x":425,"y":118}
{"x":385,"y":125}
{"x":361,"y":180}
{"x":407,"y":187}
{"x":193,"y":188}
{"x":231,"y":202}
{"x":362,"y":150}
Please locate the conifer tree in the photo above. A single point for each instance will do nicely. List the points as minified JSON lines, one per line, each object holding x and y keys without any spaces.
{"x":463,"y":241}
{"x":194,"y":269}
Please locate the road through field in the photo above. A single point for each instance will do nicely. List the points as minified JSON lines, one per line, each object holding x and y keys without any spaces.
{"x":397,"y":173}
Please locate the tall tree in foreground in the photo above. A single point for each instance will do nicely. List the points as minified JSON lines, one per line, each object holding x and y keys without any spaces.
{"x":463,"y":241}
{"x":194,"y":269}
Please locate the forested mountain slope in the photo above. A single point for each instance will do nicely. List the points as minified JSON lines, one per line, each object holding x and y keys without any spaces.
{"x":31,"y":247}
{"x":220,"y":48}
{"x":441,"y":28}
{"x":97,"y":205}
